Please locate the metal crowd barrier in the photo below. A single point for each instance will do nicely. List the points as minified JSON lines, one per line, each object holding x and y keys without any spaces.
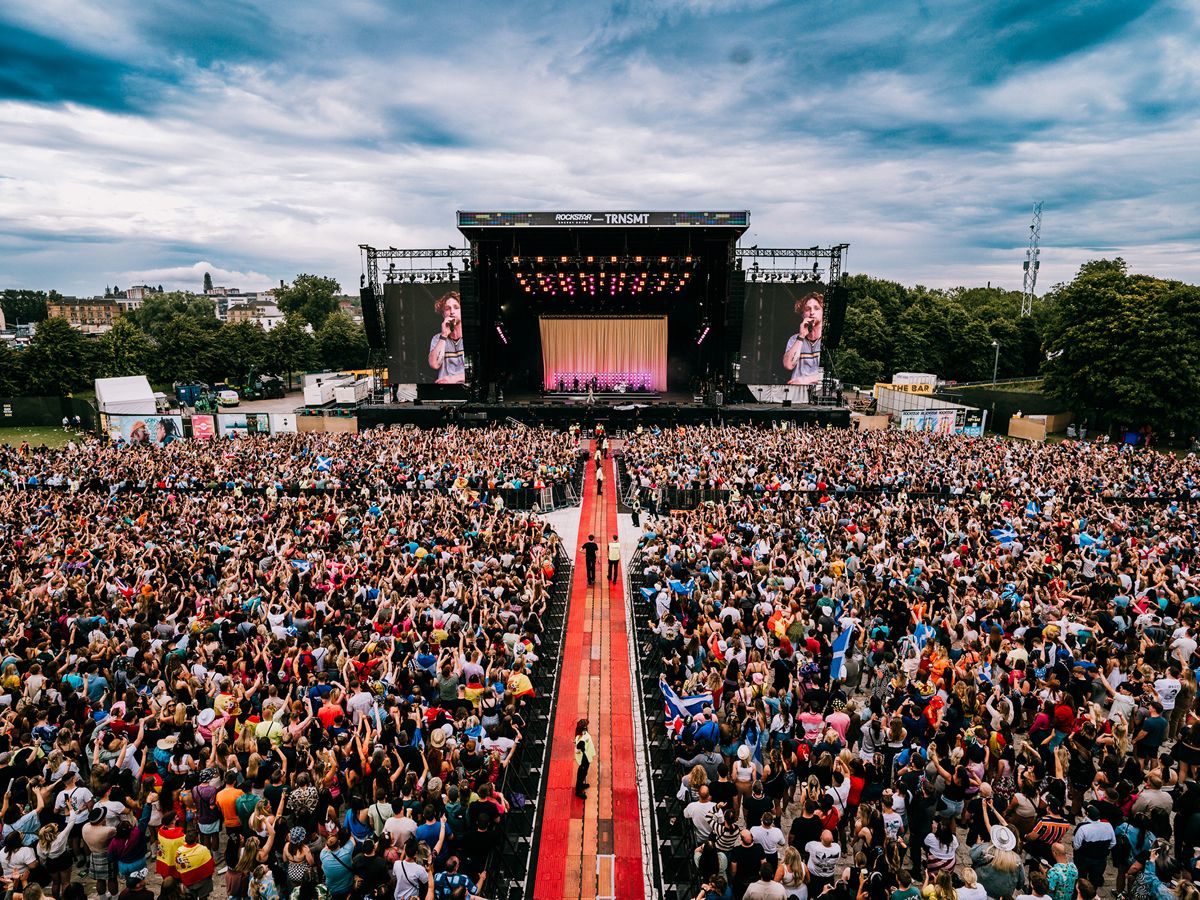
{"x":673,"y":870}
{"x":561,"y":494}
{"x":512,"y":869}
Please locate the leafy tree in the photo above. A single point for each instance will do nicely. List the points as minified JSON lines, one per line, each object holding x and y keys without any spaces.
{"x":58,"y":359}
{"x":238,"y":348}
{"x":184,"y":351}
{"x":342,"y":343}
{"x":868,"y":333}
{"x":157,"y":312}
{"x":1126,"y":346}
{"x":208,"y":285}
{"x":312,"y":297}
{"x":124,"y":350}
{"x":290,"y":348}
{"x":23,"y":306}
{"x":13,"y":380}
{"x":853,"y":369}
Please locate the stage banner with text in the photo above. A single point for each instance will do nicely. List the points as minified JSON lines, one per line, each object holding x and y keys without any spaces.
{"x":903,"y":388}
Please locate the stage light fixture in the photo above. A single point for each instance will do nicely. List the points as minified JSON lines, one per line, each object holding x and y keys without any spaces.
{"x":815,"y":267}
{"x":591,"y":259}
{"x":704,"y":330}
{"x":500,"y":332}
{"x":540,"y":260}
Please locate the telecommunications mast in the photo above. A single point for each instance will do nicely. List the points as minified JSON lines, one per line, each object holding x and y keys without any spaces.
{"x":1031,"y":261}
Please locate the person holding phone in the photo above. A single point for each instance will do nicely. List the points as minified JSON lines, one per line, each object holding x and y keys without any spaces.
{"x":446,"y":347}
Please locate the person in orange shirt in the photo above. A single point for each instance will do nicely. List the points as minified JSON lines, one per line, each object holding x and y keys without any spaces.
{"x":227,"y":799}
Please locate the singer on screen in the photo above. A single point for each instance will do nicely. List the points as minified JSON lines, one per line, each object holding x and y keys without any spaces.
{"x":446,"y":348}
{"x":803,"y":354}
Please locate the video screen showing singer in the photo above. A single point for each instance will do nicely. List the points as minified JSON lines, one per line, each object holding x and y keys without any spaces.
{"x":803,"y":354}
{"x":446,"y":347}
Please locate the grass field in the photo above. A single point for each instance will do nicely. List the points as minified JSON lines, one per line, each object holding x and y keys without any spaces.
{"x":43,"y":435}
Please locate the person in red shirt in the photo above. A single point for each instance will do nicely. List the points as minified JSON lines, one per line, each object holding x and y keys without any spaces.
{"x":330,"y":709}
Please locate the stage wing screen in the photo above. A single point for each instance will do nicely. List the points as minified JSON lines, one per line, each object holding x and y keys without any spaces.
{"x":425,"y":333}
{"x":782,"y":333}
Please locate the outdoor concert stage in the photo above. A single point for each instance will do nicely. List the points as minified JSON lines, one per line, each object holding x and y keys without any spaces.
{"x":644,"y":311}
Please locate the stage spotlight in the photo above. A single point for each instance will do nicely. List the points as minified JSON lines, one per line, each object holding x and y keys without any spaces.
{"x":540,"y":260}
{"x":500,"y":332}
{"x":591,"y":259}
{"x":703,"y":333}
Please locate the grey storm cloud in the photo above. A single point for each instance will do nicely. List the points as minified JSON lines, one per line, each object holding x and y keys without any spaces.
{"x":265,"y":139}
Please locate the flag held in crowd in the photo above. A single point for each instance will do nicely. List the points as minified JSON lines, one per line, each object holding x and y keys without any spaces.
{"x":684,"y":708}
{"x":840,"y":645}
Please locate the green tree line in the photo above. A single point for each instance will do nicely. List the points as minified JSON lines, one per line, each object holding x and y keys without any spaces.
{"x":892,"y":328}
{"x":1121,"y":349}
{"x":176,"y":336}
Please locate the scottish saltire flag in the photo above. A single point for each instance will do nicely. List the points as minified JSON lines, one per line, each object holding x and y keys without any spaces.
{"x":324,"y":464}
{"x":1032,"y":509}
{"x":302,"y":564}
{"x":840,"y":645}
{"x":922,"y":635}
{"x":685,"y":708}
{"x":1003,"y":535}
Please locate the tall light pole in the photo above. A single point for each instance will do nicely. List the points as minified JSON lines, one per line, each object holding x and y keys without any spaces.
{"x":995,"y":362}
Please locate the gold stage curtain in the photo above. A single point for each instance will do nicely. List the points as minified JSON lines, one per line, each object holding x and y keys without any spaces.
{"x":633,"y":347}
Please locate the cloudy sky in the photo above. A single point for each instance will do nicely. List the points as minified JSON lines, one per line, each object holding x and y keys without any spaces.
{"x":151,"y":140}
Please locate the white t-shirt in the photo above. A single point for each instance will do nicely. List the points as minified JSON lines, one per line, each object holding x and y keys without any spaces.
{"x":697,"y":812}
{"x":399,"y":829}
{"x":410,"y":879}
{"x":822,"y":860}
{"x":770,"y":839}
{"x":81,"y":801}
{"x":937,"y":850}
{"x":20,"y":862}
{"x":974,"y":893}
{"x":1168,"y":689}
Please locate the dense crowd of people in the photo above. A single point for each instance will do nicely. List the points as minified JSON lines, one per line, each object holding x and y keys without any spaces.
{"x":984,"y":693}
{"x":290,"y":696}
{"x":749,"y":460}
{"x":382,"y":460}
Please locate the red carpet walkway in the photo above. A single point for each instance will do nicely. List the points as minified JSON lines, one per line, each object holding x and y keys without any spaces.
{"x":592,"y":849}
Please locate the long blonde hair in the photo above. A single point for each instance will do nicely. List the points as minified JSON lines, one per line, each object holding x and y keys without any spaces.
{"x":1005,"y":860}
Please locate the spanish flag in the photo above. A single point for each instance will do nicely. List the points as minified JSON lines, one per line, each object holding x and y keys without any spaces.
{"x":169,"y":841}
{"x":194,"y":863}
